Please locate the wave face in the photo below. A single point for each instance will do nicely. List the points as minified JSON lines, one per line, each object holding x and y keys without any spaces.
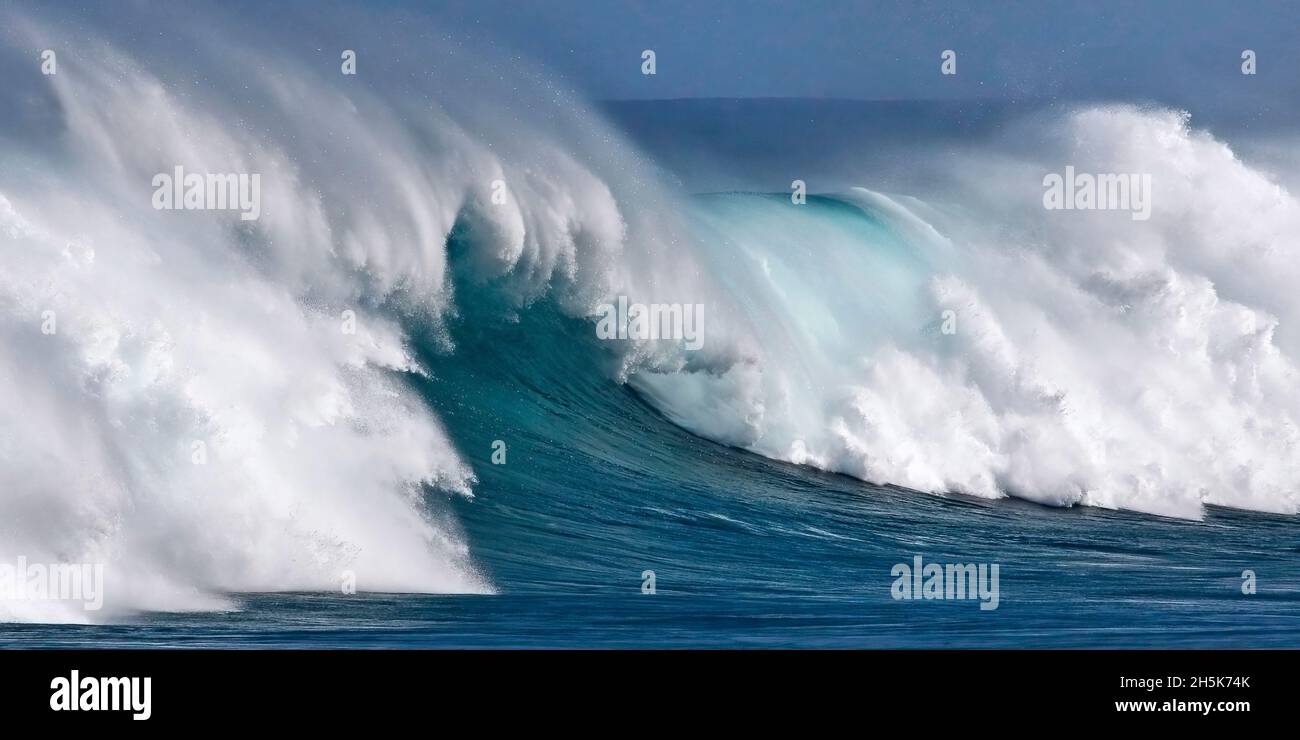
{"x":1096,"y":361}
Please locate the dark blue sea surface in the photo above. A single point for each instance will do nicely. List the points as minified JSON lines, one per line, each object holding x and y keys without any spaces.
{"x":598,"y":488}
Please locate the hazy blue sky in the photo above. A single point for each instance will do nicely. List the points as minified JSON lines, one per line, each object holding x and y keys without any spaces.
{"x":1185,"y":52}
{"x":867,"y":49}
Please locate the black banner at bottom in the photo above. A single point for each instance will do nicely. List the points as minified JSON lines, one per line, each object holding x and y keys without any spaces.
{"x":210,"y":689}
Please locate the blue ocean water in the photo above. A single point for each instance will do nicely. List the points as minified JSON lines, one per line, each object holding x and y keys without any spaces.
{"x":747,"y":552}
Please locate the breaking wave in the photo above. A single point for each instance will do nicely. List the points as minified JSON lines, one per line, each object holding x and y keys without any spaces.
{"x":210,"y":405}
